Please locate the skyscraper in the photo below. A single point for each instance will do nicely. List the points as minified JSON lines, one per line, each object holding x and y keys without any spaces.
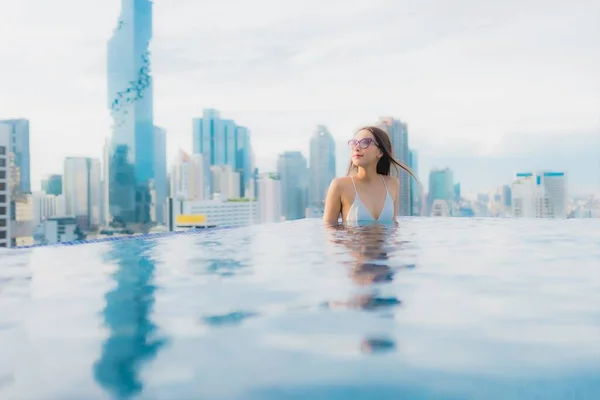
{"x":191,"y":177}
{"x":5,"y":133}
{"x":160,"y":173}
{"x":19,"y":138}
{"x":441,"y":189}
{"x":269,"y":198}
{"x":223,"y":142}
{"x":322,"y":166}
{"x":540,"y":194}
{"x":398,"y":133}
{"x":83,"y":191}
{"x":130,"y":99}
{"x":416,"y":192}
{"x":292,"y":170}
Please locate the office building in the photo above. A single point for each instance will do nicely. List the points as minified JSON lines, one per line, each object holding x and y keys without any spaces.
{"x":441,"y":187}
{"x":226,"y":182}
{"x":19,"y":147}
{"x":130,"y":100}
{"x":292,"y":171}
{"x":46,"y":206}
{"x":398,"y":133}
{"x":82,"y":190}
{"x":223,"y":142}
{"x":193,"y":214}
{"x":106,"y":217}
{"x":416,"y":191}
{"x":191,"y":177}
{"x":540,"y":194}
{"x":5,"y":195}
{"x":269,"y":198}
{"x":60,"y":229}
{"x":160,"y":185}
{"x":22,"y":220}
{"x":321,"y":168}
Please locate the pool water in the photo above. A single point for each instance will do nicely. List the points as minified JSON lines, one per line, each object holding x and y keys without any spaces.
{"x":428,"y":309}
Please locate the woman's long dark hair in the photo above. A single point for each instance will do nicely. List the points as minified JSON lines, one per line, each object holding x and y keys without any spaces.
{"x":382,"y":140}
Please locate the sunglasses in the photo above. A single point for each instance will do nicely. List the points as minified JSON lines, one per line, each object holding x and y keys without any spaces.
{"x":363,"y":143}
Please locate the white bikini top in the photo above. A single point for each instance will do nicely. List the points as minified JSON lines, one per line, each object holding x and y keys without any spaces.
{"x":359,"y":212}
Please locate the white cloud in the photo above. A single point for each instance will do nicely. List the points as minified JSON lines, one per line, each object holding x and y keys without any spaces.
{"x":462,"y":74}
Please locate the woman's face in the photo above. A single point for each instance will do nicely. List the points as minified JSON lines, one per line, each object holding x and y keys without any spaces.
{"x":364,"y":149}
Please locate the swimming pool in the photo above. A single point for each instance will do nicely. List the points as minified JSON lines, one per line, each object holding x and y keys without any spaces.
{"x":430,"y":309}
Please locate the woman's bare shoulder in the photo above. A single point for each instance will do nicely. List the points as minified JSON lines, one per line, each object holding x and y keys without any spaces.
{"x":341,"y":184}
{"x":392,"y":181}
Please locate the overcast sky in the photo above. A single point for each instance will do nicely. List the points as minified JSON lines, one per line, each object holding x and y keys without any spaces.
{"x":473,"y":79}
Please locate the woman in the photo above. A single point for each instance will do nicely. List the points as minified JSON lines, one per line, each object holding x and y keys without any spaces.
{"x":368,"y":193}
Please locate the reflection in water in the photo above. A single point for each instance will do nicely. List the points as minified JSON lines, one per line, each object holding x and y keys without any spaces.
{"x":368,"y":244}
{"x":132,"y":338}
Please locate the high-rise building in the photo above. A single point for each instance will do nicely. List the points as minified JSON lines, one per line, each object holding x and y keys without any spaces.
{"x":83,"y":191}
{"x":46,"y":206}
{"x":269,"y":198}
{"x":416,"y":191}
{"x":52,"y":185}
{"x":160,"y":173}
{"x":226,"y":182}
{"x":5,"y":195}
{"x":191,"y":177}
{"x":222,"y":142}
{"x":293,"y":171}
{"x":540,"y":194}
{"x":130,"y":100}
{"x":106,"y":217}
{"x":321,"y":168}
{"x":398,"y":133}
{"x":506,"y":196}
{"x":19,"y":146}
{"x":441,"y":187}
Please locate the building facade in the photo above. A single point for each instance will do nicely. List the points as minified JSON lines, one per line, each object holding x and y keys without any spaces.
{"x":398,"y":133}
{"x":82,"y":187}
{"x":539,"y":194}
{"x":5,"y":195}
{"x":321,"y":167}
{"x":269,"y":198}
{"x":132,"y":162}
{"x":293,"y":171}
{"x":19,"y":147}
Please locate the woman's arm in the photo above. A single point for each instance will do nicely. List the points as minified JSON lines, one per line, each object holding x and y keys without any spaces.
{"x":333,"y":203}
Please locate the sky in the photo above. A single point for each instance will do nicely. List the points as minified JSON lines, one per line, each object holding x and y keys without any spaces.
{"x":486,"y":88}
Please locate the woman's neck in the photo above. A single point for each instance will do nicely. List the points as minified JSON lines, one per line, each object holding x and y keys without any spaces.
{"x":366,"y":174}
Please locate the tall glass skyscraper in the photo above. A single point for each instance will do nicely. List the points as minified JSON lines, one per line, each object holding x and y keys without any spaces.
{"x":441,"y":187}
{"x":292,"y":170}
{"x":19,"y":147}
{"x":322,"y":166}
{"x":161,"y":187}
{"x":223,"y":142}
{"x":132,"y":164}
{"x":398,"y":133}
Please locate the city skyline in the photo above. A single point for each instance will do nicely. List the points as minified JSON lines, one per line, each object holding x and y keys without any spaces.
{"x":474,"y":112}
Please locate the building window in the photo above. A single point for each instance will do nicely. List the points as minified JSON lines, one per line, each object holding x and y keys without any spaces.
{"x":2,"y":198}
{"x":2,"y":162}
{"x":2,"y":234}
{"x":2,"y":186}
{"x":2,"y":223}
{"x":2,"y":210}
{"x":2,"y":150}
{"x":2,"y":174}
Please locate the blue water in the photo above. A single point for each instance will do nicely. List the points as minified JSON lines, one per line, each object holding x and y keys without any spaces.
{"x":430,"y":309}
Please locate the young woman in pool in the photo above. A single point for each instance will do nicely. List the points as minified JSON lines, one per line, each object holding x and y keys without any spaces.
{"x":368,"y":193}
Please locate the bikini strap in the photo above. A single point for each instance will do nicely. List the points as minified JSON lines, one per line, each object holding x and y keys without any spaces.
{"x":384,"y":182}
{"x":353,"y":184}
